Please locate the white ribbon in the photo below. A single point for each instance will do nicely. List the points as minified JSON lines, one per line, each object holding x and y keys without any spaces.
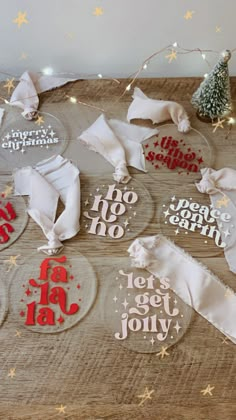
{"x":119,"y":143}
{"x":48,"y":181}
{"x":190,"y":280}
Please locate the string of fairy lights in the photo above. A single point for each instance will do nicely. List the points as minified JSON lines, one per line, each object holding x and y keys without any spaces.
{"x":172,"y":51}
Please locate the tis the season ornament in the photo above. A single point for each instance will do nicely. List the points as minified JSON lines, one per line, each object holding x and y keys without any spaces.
{"x":13,"y":217}
{"x":54,"y":294}
{"x":181,"y":153}
{"x":114,"y":211}
{"x":142,"y":311}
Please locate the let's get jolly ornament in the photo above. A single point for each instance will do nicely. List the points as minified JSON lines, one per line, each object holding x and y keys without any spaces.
{"x":142,"y":311}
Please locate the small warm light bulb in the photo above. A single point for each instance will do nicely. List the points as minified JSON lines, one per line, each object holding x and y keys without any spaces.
{"x":204,"y":56}
{"x":48,"y":71}
{"x":231,"y":120}
{"x":145,"y":66}
{"x":73,"y":100}
{"x":100,"y":75}
{"x":206,"y":75}
{"x":175,"y":44}
{"x":128,"y":87}
{"x":6,"y":101}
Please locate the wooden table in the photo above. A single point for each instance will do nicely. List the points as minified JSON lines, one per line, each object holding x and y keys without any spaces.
{"x":83,"y":368}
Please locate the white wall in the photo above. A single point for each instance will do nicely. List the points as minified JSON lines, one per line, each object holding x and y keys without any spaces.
{"x":65,"y":35}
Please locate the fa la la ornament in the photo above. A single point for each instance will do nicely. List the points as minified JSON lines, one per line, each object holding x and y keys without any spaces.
{"x":54,"y":293}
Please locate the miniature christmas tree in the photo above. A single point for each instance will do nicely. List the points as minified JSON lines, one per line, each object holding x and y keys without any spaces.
{"x":212,"y":99}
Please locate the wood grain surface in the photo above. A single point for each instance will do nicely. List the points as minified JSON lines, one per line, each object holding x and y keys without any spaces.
{"x":84,"y":368}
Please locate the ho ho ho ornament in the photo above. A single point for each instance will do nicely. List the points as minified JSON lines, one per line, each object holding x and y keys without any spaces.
{"x":25,"y":142}
{"x":53,"y":294}
{"x":114,"y":211}
{"x":142,"y":311}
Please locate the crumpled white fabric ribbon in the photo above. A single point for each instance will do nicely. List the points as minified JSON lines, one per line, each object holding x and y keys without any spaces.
{"x":45,"y":183}
{"x":25,"y":95}
{"x":189,"y":279}
{"x":158,"y":111}
{"x":221,"y":187}
{"x":119,"y":143}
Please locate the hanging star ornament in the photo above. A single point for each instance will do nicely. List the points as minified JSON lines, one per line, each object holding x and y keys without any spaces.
{"x":98,"y":11}
{"x":145,"y":396}
{"x":61,"y":409}
{"x":39,"y":120}
{"x":8,"y":190}
{"x":223,"y":202}
{"x":218,"y":124}
{"x":189,"y":14}
{"x":208,"y":390}
{"x":12,"y":373}
{"x":23,"y":56}
{"x":11,"y":262}
{"x":163,"y":352}
{"x":9,"y":85}
{"x":172,"y":56}
{"x":20,"y":19}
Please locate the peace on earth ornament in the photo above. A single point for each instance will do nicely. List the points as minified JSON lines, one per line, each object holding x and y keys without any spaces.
{"x":189,"y":219}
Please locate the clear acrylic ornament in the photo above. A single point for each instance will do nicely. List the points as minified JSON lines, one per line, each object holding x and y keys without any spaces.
{"x":25,"y":142}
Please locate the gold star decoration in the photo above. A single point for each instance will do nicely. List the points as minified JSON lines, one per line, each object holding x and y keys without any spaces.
{"x":8,"y":190}
{"x":163,"y":352}
{"x":9,"y":85}
{"x":39,"y":120}
{"x":70,"y":35}
{"x":189,"y":14}
{"x":12,"y":373}
{"x":218,"y":124}
{"x":98,"y":11}
{"x":223,"y":202}
{"x":218,"y":29}
{"x":208,"y":390}
{"x":61,"y":409}
{"x":23,"y":56}
{"x":229,"y":293}
{"x":20,"y":19}
{"x":145,"y":396}
{"x":172,"y":56}
{"x":18,"y":333}
{"x":11,"y":262}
